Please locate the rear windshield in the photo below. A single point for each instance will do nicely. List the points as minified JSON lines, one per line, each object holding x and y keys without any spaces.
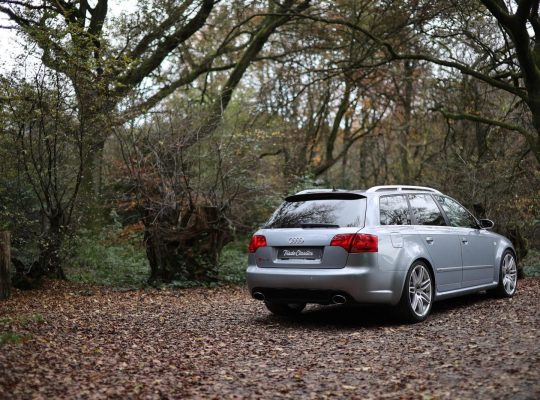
{"x":306,"y":212}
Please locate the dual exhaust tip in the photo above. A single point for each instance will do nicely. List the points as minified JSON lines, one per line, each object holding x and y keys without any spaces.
{"x":336,"y":299}
{"x":339,"y":299}
{"x":258,"y":296}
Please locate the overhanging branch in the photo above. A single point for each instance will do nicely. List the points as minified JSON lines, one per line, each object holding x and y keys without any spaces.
{"x":393,"y":54}
{"x":485,"y":120}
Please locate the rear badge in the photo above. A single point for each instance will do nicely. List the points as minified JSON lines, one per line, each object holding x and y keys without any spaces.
{"x":296,"y":240}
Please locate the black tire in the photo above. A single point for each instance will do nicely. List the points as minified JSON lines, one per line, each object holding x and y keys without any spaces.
{"x":508,"y":269}
{"x":284,"y":309}
{"x":420,"y":287}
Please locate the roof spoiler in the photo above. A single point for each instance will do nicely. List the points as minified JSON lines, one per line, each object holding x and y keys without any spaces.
{"x":326,"y":195}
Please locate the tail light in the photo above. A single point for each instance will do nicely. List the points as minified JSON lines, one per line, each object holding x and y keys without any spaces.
{"x":256,"y":242}
{"x":356,"y":242}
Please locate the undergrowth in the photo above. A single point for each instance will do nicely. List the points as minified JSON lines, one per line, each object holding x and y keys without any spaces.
{"x":233,"y":263}
{"x":116,"y":258}
{"x":531,"y":263}
{"x":111,"y":258}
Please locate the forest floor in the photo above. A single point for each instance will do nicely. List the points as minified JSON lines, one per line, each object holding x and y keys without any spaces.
{"x":79,"y":341}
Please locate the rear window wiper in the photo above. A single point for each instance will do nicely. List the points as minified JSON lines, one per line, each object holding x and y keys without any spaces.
{"x":319,"y":226}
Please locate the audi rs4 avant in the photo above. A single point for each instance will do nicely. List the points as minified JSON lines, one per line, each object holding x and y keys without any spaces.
{"x":406,"y":246}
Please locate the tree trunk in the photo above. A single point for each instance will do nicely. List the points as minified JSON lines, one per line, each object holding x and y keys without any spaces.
{"x":534,"y":140}
{"x":50,"y":261}
{"x":5,"y":265}
{"x":162,"y":256}
{"x":407,"y":100}
{"x":189,"y":253}
{"x":97,"y":112}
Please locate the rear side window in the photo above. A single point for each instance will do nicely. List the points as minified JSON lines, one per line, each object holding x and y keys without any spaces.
{"x":425,"y":210}
{"x":304,"y":212}
{"x":457,"y":214}
{"x":394,"y":210}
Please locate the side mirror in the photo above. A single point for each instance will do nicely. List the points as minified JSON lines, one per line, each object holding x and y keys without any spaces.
{"x":487,"y":224}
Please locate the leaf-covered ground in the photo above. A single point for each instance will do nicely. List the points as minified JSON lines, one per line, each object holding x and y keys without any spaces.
{"x":76,"y":341}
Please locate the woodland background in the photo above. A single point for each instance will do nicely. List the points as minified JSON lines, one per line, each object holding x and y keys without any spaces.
{"x":143,"y":144}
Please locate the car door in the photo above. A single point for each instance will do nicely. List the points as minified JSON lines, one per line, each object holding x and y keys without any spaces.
{"x":477,"y":245}
{"x":441,"y":242}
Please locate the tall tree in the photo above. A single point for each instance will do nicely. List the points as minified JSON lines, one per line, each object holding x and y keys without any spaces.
{"x":108,"y":59}
{"x":49,"y":148}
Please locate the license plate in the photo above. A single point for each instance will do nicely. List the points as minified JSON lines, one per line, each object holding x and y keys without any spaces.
{"x":305,"y":253}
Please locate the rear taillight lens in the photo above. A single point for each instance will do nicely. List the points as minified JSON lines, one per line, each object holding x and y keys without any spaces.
{"x":356,"y":243}
{"x":256,"y":242}
{"x":364,"y":243}
{"x":343,"y":240}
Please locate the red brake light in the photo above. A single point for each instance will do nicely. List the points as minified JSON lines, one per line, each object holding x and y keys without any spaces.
{"x":365,"y":243}
{"x":356,"y":243}
{"x":342,"y":240}
{"x":256,"y":242}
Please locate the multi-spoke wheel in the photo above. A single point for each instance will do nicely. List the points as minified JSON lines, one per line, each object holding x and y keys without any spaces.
{"x":417,"y":297}
{"x":507,"y":276}
{"x":284,"y":309}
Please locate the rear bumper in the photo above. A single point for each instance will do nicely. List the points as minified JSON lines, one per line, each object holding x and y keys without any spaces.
{"x":359,"y":284}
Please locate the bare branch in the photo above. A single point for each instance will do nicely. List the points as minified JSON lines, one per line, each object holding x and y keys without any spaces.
{"x":485,"y":120}
{"x":136,"y":75}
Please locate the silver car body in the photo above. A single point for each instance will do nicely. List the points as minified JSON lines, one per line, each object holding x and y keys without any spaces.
{"x":462,"y":259}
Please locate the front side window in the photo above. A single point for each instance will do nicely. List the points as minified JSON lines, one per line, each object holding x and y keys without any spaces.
{"x":457,"y":214}
{"x":394,"y":210}
{"x":425,"y":210}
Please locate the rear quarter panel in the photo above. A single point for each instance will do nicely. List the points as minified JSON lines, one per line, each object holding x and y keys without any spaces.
{"x":399,"y":247}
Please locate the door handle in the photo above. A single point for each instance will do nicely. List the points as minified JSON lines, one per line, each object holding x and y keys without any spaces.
{"x":464,"y":241}
{"x":429,"y":240}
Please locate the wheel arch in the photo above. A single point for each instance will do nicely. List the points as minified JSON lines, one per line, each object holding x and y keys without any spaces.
{"x":404,"y":306}
{"x":513,"y":251}
{"x":430,"y":268}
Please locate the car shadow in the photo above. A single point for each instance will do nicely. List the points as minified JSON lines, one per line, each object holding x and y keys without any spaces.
{"x":367,"y":316}
{"x":456,"y":303}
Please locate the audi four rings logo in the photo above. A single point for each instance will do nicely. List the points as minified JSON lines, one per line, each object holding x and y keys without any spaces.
{"x":296,"y":240}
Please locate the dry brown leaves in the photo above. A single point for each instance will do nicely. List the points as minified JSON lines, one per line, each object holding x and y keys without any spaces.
{"x":90,"y":342}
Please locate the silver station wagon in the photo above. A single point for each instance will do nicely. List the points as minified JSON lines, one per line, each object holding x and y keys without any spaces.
{"x":406,"y":246}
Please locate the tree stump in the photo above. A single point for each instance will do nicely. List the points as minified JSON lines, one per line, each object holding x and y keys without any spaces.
{"x":5,"y":265}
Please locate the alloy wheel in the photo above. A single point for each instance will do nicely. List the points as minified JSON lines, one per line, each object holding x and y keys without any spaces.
{"x":509,"y":274}
{"x":420,"y":290}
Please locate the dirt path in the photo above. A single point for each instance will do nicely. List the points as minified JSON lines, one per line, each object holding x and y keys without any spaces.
{"x":80,"y":342}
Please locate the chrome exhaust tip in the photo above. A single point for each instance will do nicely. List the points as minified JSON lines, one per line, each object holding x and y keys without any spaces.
{"x":339,"y":299}
{"x":258,"y":296}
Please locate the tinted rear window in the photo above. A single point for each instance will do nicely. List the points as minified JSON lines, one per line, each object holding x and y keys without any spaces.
{"x":319,"y":213}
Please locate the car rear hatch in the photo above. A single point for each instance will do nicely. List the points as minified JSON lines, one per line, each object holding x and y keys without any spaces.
{"x":300,"y":232}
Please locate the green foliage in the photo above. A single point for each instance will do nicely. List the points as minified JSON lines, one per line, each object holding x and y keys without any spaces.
{"x":12,"y":338}
{"x":531,"y":263}
{"x":233,"y":261}
{"x":107,"y":258}
{"x":8,"y":336}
